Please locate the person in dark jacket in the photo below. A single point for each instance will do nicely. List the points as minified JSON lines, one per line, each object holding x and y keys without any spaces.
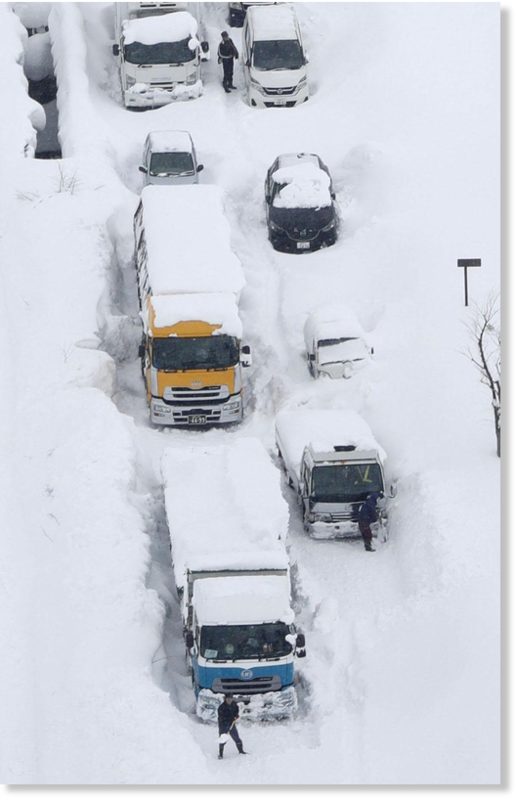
{"x":227,"y":53}
{"x":227,"y":715}
{"x":367,"y":514}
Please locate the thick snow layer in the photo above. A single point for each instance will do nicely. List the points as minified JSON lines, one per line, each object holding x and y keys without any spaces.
{"x":273,"y":22}
{"x":243,"y":600}
{"x":189,"y":241}
{"x":33,"y":15}
{"x":218,"y":520}
{"x":18,"y":128}
{"x":332,"y":322}
{"x":170,"y":141}
{"x":306,"y":186}
{"x":323,"y":429}
{"x":216,"y":309}
{"x":163,"y":28}
{"x":38,"y":57}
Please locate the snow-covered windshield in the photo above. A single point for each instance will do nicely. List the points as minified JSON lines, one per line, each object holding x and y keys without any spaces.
{"x":345,"y":348}
{"x":206,"y":352}
{"x":345,"y":482}
{"x":171,"y":164}
{"x":236,"y":642}
{"x":281,"y":54}
{"x":160,"y":53}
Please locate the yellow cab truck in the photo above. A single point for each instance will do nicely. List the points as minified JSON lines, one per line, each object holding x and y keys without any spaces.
{"x":189,"y":281}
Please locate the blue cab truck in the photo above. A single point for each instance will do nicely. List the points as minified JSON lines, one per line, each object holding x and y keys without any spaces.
{"x":232,"y":576}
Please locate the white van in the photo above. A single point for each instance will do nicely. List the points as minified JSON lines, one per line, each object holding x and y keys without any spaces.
{"x":273,"y":57}
{"x":169,"y":158}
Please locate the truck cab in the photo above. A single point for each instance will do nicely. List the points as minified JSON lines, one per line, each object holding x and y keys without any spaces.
{"x":243,"y":641}
{"x":159,"y":56}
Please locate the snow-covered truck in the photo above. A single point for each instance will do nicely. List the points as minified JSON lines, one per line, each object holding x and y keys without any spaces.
{"x":232,"y":575}
{"x":333,"y":462}
{"x":189,"y":281}
{"x":159,"y":53}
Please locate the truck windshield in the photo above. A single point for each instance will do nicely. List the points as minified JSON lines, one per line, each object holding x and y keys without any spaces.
{"x":345,"y":483}
{"x":171,"y":164}
{"x":206,"y":352}
{"x":160,"y":53}
{"x":236,"y":642}
{"x":281,"y":54}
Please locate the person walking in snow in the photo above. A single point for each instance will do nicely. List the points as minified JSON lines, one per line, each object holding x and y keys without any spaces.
{"x":367,"y":514}
{"x":228,"y":714}
{"x":227,"y":53}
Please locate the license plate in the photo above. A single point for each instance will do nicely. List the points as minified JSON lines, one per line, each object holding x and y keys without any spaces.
{"x":303,"y":245}
{"x":197,"y":419}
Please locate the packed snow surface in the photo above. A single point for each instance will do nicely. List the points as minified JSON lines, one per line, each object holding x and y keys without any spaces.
{"x":323,"y":429}
{"x":170,"y":141}
{"x":306,"y":186}
{"x":188,"y":241}
{"x":273,"y":22}
{"x":240,"y":600}
{"x":166,"y":28}
{"x":232,"y":515}
{"x":216,"y":309}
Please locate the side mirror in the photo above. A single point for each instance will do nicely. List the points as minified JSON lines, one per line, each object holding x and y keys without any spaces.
{"x":116,"y":50}
{"x":267,"y":198}
{"x":372,"y":351}
{"x":205,"y":47}
{"x":245,"y":355}
{"x":248,"y":63}
{"x":143,"y":169}
{"x":300,"y":640}
{"x":393,"y":489}
{"x":189,"y":640}
{"x":200,"y":167}
{"x":141,"y":351}
{"x":311,"y":356}
{"x":332,"y":195}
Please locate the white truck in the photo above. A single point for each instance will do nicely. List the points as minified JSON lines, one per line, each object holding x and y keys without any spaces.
{"x":159,"y":51}
{"x":336,"y":344}
{"x":231,"y":571}
{"x":333,"y":462}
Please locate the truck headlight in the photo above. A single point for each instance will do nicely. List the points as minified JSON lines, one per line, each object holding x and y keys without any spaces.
{"x":191,"y":79}
{"x":234,"y":406}
{"x":130,"y":81}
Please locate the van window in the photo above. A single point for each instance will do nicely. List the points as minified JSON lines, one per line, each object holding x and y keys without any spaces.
{"x":171,"y":163}
{"x":281,"y":54}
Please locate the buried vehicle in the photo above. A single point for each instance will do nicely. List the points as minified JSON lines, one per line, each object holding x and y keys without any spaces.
{"x":299,"y":199}
{"x":232,"y":576}
{"x":169,"y":158}
{"x":336,"y":344}
{"x":334,"y":463}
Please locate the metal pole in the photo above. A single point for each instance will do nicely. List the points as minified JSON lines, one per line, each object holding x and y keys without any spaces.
{"x":465,"y":286}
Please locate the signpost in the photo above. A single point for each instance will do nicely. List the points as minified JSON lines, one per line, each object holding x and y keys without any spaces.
{"x":465,"y":263}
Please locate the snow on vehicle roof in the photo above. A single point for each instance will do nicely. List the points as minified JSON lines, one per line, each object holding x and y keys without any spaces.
{"x":188,"y":241}
{"x":323,"y":429}
{"x":170,"y":141}
{"x":164,"y":28}
{"x":332,"y":322}
{"x":273,"y":22}
{"x":224,"y":507}
{"x":215,"y":309}
{"x":306,"y":185}
{"x":250,"y":600}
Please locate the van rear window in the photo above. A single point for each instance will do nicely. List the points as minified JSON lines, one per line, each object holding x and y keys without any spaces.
{"x":281,"y":54}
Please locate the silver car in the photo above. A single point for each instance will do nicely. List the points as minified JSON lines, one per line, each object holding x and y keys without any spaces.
{"x":169,"y":158}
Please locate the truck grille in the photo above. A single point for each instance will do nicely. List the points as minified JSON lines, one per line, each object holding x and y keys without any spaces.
{"x":184,"y":395}
{"x":254,"y":686}
{"x":211,"y":414}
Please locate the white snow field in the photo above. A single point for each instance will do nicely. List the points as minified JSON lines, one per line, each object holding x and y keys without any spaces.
{"x":401,"y":681}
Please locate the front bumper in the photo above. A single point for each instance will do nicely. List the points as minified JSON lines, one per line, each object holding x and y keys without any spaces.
{"x":144,"y":96}
{"x":255,"y":707}
{"x":260,"y":99}
{"x":343,"y":529}
{"x":281,"y":241}
{"x":168,"y":414}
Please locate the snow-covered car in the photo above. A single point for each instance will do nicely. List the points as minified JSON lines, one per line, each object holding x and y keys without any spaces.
{"x":336,"y":344}
{"x":169,"y":157}
{"x":299,"y":198}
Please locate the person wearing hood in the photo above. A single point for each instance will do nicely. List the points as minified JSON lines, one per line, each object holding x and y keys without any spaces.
{"x":367,"y":514}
